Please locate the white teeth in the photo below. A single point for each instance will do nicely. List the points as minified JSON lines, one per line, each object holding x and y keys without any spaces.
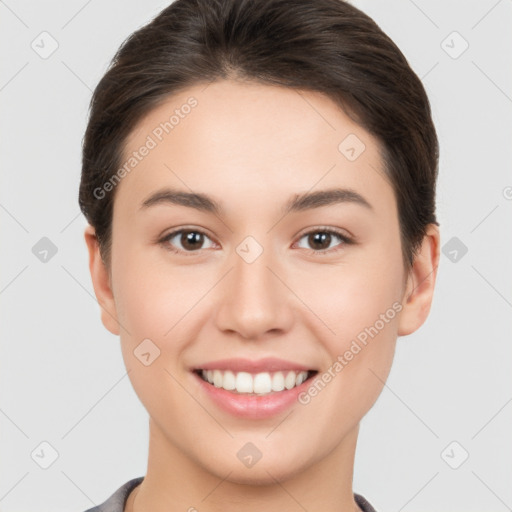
{"x":278,"y":381}
{"x":217,"y":378}
{"x":300,"y":379}
{"x":244,"y":382}
{"x":289,"y":381}
{"x":229,"y":381}
{"x":260,"y":383}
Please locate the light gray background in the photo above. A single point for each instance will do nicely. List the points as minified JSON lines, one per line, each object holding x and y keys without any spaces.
{"x":62,"y":376}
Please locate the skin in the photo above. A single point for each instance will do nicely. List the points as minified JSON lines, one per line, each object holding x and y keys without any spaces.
{"x":251,"y":147}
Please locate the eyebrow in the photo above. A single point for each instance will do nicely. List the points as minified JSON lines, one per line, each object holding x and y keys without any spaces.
{"x":298,"y":202}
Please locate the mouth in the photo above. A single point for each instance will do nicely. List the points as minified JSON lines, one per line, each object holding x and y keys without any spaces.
{"x":256,"y":384}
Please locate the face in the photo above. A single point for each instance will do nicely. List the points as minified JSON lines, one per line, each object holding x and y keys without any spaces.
{"x":297,"y":269}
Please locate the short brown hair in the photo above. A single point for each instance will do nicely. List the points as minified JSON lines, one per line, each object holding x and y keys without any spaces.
{"x":328,"y":46}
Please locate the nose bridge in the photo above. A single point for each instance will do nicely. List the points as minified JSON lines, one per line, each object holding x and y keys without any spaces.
{"x":254,"y":300}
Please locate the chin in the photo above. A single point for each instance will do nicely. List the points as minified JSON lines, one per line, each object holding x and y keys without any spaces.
{"x":263,"y":472}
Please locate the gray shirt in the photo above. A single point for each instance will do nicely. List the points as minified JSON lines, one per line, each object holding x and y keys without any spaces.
{"x":117,"y":501}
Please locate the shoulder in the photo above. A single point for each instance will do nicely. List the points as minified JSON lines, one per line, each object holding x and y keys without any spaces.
{"x":363,"y":503}
{"x":116,"y":502}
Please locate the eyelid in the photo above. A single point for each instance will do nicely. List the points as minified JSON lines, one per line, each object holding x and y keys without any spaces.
{"x":347,"y":239}
{"x":327,"y":229}
{"x":164,"y":240}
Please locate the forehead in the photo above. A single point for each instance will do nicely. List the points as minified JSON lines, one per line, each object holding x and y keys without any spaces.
{"x":250,"y":144}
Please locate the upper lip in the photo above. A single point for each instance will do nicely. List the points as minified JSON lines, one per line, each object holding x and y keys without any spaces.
{"x":267,"y":364}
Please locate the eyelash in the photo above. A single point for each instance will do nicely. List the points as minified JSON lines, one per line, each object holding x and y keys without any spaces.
{"x":344,"y":238}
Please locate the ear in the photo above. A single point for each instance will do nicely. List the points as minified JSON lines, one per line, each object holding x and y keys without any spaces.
{"x":101,"y":282}
{"x":419,"y":289}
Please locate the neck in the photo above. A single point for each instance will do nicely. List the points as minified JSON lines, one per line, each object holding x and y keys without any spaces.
{"x":174,"y":482}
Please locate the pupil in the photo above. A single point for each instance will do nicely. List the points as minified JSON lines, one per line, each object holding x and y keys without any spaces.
{"x":323,"y":239}
{"x":191,"y":237}
{"x":319,"y":238}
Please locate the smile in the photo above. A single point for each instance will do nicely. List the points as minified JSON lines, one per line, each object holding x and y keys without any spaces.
{"x":262,"y":383}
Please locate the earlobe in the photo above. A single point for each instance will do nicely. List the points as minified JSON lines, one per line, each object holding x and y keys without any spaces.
{"x":101,"y":282}
{"x":419,"y":292}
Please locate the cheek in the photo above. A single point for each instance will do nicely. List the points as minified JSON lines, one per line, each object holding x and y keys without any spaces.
{"x":360,"y":306}
{"x":342,"y":301}
{"x":152,"y":302}
{"x":165,"y":305}
{"x":152,"y":298}
{"x":360,"y":358}
{"x":370,"y":307}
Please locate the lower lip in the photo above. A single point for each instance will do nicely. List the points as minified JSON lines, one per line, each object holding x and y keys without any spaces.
{"x":253,"y":406}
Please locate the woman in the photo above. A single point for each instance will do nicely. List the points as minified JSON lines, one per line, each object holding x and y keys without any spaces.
{"x":259,"y":179}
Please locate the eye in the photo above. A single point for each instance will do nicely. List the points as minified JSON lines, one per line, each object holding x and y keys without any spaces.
{"x":190,"y":240}
{"x":321,"y":239}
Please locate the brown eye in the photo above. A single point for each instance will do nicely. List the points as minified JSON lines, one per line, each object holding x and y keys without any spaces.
{"x":191,"y":240}
{"x":320,"y":240}
{"x":185,"y":240}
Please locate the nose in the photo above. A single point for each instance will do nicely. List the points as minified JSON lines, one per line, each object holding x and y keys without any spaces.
{"x":255,"y":300}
